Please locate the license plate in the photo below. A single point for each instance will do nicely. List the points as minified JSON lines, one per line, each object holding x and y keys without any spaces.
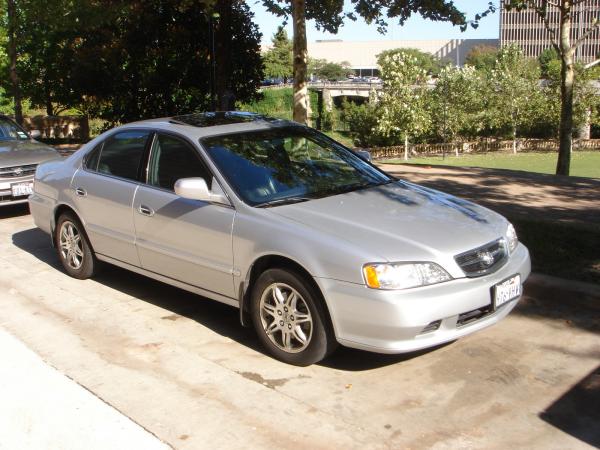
{"x":507,"y":290}
{"x":20,"y":189}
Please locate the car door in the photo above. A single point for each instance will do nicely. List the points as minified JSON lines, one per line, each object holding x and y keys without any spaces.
{"x":104,"y":189}
{"x":186,"y":240}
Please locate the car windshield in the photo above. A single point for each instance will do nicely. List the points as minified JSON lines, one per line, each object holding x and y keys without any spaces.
{"x":10,"y":131}
{"x":286,"y":165}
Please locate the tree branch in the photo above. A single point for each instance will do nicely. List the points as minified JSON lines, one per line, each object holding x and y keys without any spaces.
{"x":542,"y":14}
{"x":587,"y":34}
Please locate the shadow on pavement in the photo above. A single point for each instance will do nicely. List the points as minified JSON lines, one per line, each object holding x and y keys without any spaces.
{"x":220,"y":318}
{"x":9,"y":211}
{"x":577,"y":412}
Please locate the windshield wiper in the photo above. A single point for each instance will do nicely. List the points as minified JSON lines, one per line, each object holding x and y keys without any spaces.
{"x":282,"y":201}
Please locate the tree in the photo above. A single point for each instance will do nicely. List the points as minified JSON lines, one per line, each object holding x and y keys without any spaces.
{"x":278,"y":59}
{"x":126,"y":60}
{"x":482,"y":57}
{"x":566,"y":48}
{"x":458,"y":103}
{"x":403,"y":105}
{"x":428,"y":62}
{"x":514,"y":90}
{"x":330,"y":71}
{"x":330,"y":16}
{"x":12,"y":19}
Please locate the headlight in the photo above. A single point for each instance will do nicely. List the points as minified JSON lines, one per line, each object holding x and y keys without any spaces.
{"x":403,"y":275}
{"x":511,"y":238}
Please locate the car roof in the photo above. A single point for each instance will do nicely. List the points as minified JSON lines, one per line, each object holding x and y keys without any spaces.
{"x":200,"y":125}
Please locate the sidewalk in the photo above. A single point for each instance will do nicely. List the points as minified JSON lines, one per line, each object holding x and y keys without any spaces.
{"x":42,"y":409}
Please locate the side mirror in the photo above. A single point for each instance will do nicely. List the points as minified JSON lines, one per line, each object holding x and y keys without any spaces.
{"x":35,"y":134}
{"x":364,"y":154}
{"x":197,"y":189}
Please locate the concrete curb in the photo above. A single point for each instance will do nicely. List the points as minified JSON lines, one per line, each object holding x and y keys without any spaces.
{"x":558,"y":289}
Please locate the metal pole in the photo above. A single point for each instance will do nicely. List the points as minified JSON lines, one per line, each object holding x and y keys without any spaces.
{"x":213,"y":65}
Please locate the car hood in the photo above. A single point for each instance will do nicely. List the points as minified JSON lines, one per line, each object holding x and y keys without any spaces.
{"x":401,"y":221}
{"x":21,"y":153}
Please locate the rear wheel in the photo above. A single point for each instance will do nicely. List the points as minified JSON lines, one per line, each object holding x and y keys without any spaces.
{"x":73,"y":247}
{"x":289,"y":318}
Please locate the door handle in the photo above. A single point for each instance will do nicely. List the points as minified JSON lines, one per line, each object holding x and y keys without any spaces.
{"x":146,"y":210}
{"x":80,"y":192}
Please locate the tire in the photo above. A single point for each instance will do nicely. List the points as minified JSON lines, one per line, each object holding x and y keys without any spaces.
{"x":73,"y":247}
{"x":289,"y":318}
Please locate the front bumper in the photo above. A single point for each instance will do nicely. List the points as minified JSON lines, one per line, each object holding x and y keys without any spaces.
{"x":394,"y":321}
{"x":6,"y":197}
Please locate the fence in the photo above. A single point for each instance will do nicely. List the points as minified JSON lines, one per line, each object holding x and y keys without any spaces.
{"x":75,"y":128}
{"x":525,"y":145}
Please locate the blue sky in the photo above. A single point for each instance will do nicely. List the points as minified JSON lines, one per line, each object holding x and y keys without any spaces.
{"x":415,"y":28}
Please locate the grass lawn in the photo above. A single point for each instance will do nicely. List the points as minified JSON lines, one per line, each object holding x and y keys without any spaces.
{"x":583,"y":163}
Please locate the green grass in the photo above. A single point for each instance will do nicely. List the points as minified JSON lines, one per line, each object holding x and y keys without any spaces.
{"x":583,"y":163}
{"x":561,"y":250}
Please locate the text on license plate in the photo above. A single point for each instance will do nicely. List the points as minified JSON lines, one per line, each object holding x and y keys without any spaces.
{"x":507,"y":290}
{"x":20,"y":189}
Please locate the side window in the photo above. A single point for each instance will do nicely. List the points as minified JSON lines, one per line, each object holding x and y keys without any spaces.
{"x":172,"y":159}
{"x":91,"y":159}
{"x":122,"y":153}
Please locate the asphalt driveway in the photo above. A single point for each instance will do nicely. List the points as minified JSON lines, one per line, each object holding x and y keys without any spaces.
{"x":182,"y":367}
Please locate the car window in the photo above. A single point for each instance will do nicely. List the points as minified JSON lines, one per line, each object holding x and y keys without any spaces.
{"x":11,"y":131}
{"x":91,"y":159}
{"x":122,"y":153}
{"x":172,"y":159}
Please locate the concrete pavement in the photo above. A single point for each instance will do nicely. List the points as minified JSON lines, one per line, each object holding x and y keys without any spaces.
{"x":181,"y":367}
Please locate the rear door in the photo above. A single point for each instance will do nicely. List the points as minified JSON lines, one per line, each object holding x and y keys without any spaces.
{"x":104,"y":190}
{"x":186,"y":240}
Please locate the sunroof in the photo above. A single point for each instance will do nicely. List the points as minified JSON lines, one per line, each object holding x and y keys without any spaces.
{"x":210,"y":119}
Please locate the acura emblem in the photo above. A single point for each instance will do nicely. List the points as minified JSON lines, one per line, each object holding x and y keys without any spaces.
{"x":486,"y":258}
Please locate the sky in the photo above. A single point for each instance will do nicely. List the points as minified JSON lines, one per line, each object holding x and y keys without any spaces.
{"x":414,"y":28}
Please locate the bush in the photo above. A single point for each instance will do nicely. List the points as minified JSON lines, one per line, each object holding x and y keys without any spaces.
{"x":361,"y":121}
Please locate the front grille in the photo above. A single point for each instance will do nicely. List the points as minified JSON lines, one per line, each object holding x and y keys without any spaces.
{"x":472,"y":316}
{"x":17,"y":171}
{"x":10,"y":198}
{"x":483,"y":260}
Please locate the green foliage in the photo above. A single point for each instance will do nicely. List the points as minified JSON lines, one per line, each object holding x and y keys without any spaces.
{"x":482,"y":57}
{"x":514,"y":97}
{"x":362,"y":123}
{"x":403,"y":107}
{"x":549,"y":60}
{"x":6,"y":103}
{"x":276,"y":102}
{"x":457,"y":103}
{"x":125,"y":60}
{"x":278,"y":59}
{"x":329,"y":71}
{"x":426,"y":61}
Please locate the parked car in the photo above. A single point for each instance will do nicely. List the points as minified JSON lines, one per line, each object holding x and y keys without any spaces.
{"x":312,"y":243}
{"x":19,"y":156}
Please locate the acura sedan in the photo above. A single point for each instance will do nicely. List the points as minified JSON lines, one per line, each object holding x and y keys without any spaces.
{"x":19,"y":156}
{"x":315,"y":246}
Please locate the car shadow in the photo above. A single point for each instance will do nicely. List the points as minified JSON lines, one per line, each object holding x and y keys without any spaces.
{"x":9,"y":211}
{"x":220,"y":318}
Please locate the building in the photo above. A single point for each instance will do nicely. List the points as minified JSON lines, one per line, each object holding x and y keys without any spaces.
{"x":526,"y":29}
{"x":362,"y":55}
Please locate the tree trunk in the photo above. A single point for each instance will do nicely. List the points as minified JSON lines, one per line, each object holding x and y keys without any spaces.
{"x":49,"y":106}
{"x":514,"y":135}
{"x":12,"y":56}
{"x":566,"y":91}
{"x":225,"y":96}
{"x":406,"y":148}
{"x":300,"y":62}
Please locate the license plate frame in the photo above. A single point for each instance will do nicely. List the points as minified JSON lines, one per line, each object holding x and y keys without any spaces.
{"x":21,"y":189}
{"x":506,"y":291}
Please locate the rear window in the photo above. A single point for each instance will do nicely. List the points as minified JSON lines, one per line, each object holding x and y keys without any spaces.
{"x":121,"y":154}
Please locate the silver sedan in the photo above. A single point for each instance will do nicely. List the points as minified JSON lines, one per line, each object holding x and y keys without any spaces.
{"x":313,"y":244}
{"x":19,"y":156}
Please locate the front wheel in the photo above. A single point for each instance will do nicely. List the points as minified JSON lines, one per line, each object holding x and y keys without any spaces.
{"x":73,"y":248}
{"x":289,"y":318}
